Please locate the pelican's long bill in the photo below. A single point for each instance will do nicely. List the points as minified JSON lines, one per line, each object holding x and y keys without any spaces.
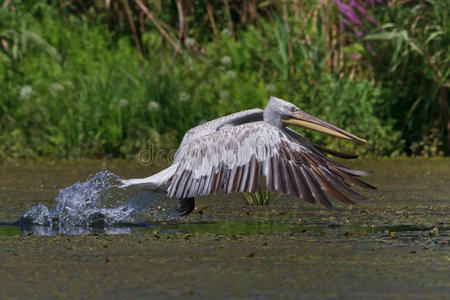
{"x":300,"y":118}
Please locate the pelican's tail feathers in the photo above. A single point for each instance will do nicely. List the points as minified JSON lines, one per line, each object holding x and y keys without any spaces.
{"x":157,"y":182}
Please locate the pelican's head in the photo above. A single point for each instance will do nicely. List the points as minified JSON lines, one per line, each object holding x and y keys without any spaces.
{"x":280,"y":113}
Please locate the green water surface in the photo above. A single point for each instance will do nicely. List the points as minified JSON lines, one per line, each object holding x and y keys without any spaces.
{"x":395,"y":245}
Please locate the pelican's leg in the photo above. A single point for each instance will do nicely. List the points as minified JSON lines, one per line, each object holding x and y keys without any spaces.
{"x":186,"y":206}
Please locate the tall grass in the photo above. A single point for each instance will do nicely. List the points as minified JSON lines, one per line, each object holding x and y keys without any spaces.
{"x":411,"y":51}
{"x":78,"y":80}
{"x":260,"y":197}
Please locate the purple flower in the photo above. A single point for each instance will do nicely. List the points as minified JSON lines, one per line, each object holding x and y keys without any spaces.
{"x":355,"y":56}
{"x":362,"y":10}
{"x":348,"y":11}
{"x":372,"y":20}
{"x":355,"y":15}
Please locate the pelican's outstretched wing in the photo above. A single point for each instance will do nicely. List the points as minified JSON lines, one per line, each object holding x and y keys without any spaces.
{"x":206,"y":128}
{"x":233,"y":160}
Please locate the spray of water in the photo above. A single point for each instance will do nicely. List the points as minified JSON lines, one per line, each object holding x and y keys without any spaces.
{"x":97,"y":202}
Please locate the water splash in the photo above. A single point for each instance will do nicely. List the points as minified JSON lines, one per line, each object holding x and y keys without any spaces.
{"x":97,"y":203}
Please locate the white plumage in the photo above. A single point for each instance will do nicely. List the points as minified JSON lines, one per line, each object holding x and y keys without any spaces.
{"x":232,"y":153}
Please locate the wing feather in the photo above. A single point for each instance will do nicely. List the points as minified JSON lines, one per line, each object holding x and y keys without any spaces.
{"x":178,"y":186}
{"x":220,"y":179}
{"x":296,"y":181}
{"x":277,"y":180}
{"x":338,"y":182}
{"x":326,"y":185}
{"x":353,"y":179}
{"x":216,"y":181}
{"x":315,"y":188}
{"x":206,"y":128}
{"x":308,"y":196}
{"x":287,"y":178}
{"x":207,"y":188}
{"x":269,"y":174}
{"x":255,"y":175}
{"x":186,"y":187}
{"x":234,"y":158}
{"x":244,"y":177}
{"x":237,"y":179}
{"x":201,"y":184}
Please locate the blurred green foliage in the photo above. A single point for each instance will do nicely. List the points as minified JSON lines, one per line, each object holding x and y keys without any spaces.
{"x":79,"y":81}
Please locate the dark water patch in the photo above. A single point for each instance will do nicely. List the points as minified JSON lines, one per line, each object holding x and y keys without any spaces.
{"x":40,"y":230}
{"x":229,"y":227}
{"x":7,"y":229}
{"x":252,"y":227}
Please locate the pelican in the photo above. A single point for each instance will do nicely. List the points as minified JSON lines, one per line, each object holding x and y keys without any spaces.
{"x":232,"y":153}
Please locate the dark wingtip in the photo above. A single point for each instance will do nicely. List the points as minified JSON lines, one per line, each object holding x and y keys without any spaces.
{"x":354,"y":172}
{"x":337,"y":154}
{"x":327,"y":204}
{"x":365,"y":184}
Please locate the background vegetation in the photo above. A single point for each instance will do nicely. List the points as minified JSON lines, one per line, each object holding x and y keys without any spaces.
{"x":91,"y":78}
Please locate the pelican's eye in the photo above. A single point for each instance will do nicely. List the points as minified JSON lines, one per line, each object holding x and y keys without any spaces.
{"x":293,"y":109}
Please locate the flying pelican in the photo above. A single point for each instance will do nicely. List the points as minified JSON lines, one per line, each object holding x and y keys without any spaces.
{"x":232,"y":153}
